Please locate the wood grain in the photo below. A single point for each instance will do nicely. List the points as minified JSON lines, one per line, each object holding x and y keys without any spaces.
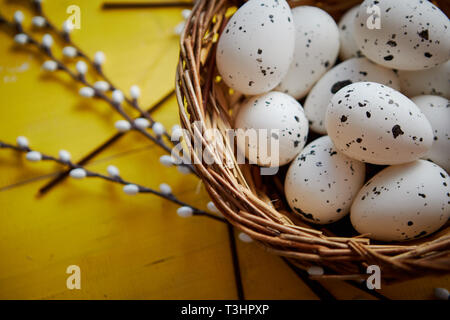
{"x":127,"y":247}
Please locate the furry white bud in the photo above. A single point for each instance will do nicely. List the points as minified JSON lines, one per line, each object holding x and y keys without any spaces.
{"x":135,"y":92}
{"x":87,"y":92}
{"x":178,"y":30}
{"x":18,"y":17}
{"x":122,"y":125}
{"x":142,"y":123}
{"x":78,"y":173}
{"x":47,"y":41}
{"x":131,"y":189}
{"x":21,"y":38}
{"x":67,"y":26}
{"x":315,"y":271}
{"x":212,"y":207}
{"x":22,"y":142}
{"x":38,"y":21}
{"x":177,"y":133}
{"x":81,"y":67}
{"x":70,"y":52}
{"x":34,"y":156}
{"x":441,"y":293}
{"x":113,"y":171}
{"x":165,"y":189}
{"x":117,"y":96}
{"x":50,"y":66}
{"x":99,"y":58}
{"x":166,"y":160}
{"x":158,"y":128}
{"x":185,"y":212}
{"x":183,"y":169}
{"x":101,"y":86}
{"x":245,"y":237}
{"x":64,"y":155}
{"x":186,"y":13}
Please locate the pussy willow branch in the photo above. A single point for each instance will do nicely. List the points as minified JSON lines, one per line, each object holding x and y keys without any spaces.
{"x":139,"y":5}
{"x":80,"y":78}
{"x":88,"y":157}
{"x":132,"y":102}
{"x":97,"y":67}
{"x":173,"y":199}
{"x":116,"y":179}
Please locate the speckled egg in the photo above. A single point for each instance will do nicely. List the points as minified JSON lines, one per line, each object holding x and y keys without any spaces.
{"x":403,"y":34}
{"x":435,"y":81}
{"x":403,"y":202}
{"x":348,"y":48}
{"x":256,"y":47}
{"x":373,"y":123}
{"x":437,"y":111}
{"x":285,"y":124}
{"x":345,"y":73}
{"x":316,"y":50}
{"x":321,"y":183}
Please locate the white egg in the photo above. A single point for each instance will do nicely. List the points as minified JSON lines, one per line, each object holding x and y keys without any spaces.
{"x":437,"y":111}
{"x":321,"y":183}
{"x":403,"y":202}
{"x":348,"y":48}
{"x":345,"y":73}
{"x":271,"y":122}
{"x":256,"y":47}
{"x":373,"y":123}
{"x":316,"y":50}
{"x":403,"y":34}
{"x":435,"y":81}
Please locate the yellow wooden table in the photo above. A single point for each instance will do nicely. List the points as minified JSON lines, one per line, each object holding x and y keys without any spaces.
{"x":126,"y":247}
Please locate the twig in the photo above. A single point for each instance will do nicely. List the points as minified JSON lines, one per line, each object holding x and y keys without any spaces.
{"x":80,"y":78}
{"x":235,"y":260}
{"x":315,"y":286}
{"x":115,"y":179}
{"x":96,"y":66}
{"x":141,"y":5}
{"x":61,"y":177}
{"x":364,"y":288}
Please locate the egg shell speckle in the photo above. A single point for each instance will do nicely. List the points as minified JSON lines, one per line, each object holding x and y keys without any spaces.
{"x":437,"y":111}
{"x":348,"y":48}
{"x":403,"y":202}
{"x":256,"y":47}
{"x":316,"y":50}
{"x":321,"y":183}
{"x":410,"y":35}
{"x":345,"y":73}
{"x":434,"y":81}
{"x":272,"y":111}
{"x":373,"y":123}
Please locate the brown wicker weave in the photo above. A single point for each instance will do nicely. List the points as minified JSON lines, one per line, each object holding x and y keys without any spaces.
{"x":255,"y":204}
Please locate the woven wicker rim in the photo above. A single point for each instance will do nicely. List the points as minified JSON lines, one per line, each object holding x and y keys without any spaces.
{"x":245,"y":200}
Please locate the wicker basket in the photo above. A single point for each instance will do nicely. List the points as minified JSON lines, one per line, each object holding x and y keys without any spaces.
{"x":255,"y":204}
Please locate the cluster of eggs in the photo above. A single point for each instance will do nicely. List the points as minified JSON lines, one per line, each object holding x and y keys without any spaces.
{"x":385,"y":104}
